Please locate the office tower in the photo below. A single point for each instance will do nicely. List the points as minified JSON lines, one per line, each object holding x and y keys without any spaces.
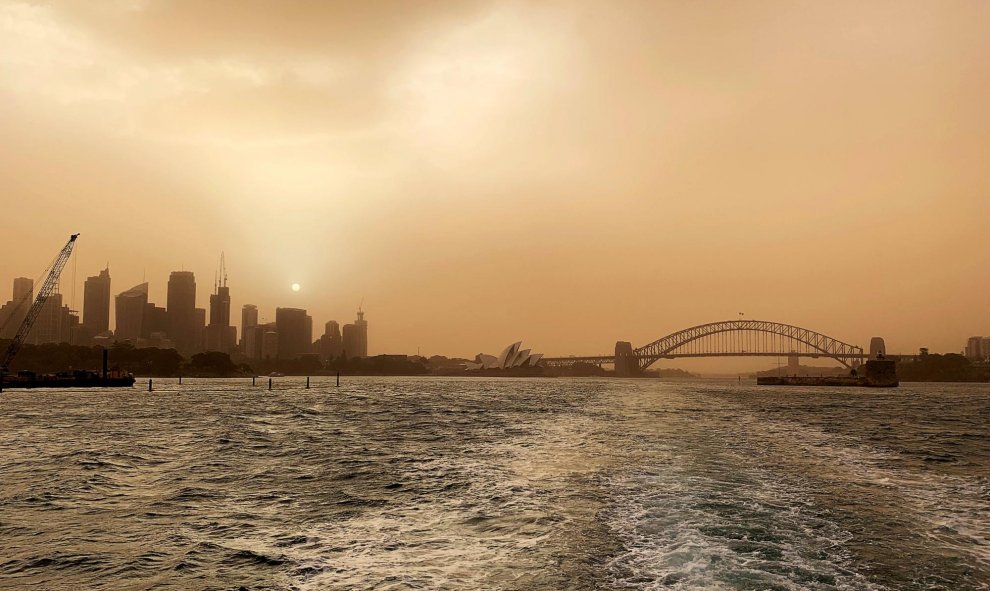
{"x":330,"y":344}
{"x":974,"y":348}
{"x":54,"y":324}
{"x":199,"y":331}
{"x":96,"y":303}
{"x":181,"y":306}
{"x":13,"y":312}
{"x":295,"y":332}
{"x":130,"y":307}
{"x":220,"y":335}
{"x":355,"y":337}
{"x":155,"y":324}
{"x":268,"y":342}
{"x":249,"y":319}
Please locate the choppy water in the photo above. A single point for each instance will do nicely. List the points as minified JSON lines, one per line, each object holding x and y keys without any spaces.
{"x":420,"y":483}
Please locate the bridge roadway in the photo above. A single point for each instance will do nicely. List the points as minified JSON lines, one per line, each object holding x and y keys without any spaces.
{"x":729,"y":338}
{"x":610,"y":359}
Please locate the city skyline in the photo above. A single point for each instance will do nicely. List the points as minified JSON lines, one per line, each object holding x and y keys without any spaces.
{"x":219,"y":303}
{"x":180,"y":325}
{"x":580,"y":173}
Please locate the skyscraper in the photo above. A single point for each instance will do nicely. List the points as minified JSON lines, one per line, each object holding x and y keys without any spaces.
{"x":249,"y":316}
{"x":295,"y":332}
{"x":181,"y":306}
{"x":96,"y":303}
{"x":249,"y":336}
{"x":54,"y":324}
{"x":330,"y":344}
{"x":220,"y":335}
{"x":356,"y":337}
{"x":131,"y":308}
{"x":13,"y":312}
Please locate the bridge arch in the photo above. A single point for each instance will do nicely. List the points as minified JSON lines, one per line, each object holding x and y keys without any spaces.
{"x":809,"y":342}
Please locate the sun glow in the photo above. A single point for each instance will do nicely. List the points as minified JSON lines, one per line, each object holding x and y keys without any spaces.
{"x":296,"y":287}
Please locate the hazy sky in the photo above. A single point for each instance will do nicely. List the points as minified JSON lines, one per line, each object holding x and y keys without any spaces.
{"x":568,"y":173}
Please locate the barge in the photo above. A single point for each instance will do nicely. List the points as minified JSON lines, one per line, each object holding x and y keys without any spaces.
{"x":877,"y":373}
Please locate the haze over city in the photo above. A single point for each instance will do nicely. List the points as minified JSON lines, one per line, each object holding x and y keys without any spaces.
{"x":570,"y":173}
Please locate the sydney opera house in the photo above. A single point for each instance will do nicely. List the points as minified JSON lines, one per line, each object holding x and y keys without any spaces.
{"x":510,"y":357}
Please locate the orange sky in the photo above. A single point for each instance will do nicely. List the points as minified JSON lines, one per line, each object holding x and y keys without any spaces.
{"x":568,"y":173}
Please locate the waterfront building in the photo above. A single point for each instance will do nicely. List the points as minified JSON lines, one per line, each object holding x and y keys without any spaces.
{"x":512,"y":356}
{"x":295,"y":332}
{"x":96,"y":303}
{"x":355,"y":337}
{"x":13,"y":312}
{"x":182,"y":314}
{"x":130,"y":307}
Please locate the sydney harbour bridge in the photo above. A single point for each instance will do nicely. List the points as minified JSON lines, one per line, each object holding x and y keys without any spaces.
{"x":729,"y":338}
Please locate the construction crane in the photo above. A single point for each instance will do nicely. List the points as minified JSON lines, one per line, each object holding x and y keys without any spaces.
{"x":47,"y":289}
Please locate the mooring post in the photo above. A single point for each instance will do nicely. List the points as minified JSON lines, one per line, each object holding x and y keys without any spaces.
{"x":180,"y":380}
{"x":307,"y":382}
{"x":338,"y":377}
{"x":253,"y":378}
{"x":149,"y":384}
{"x":269,"y":383}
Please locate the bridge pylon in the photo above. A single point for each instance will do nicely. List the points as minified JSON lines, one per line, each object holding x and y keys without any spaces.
{"x":626,"y":363}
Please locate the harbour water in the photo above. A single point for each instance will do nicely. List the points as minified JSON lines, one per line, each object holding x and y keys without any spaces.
{"x":537,"y":484}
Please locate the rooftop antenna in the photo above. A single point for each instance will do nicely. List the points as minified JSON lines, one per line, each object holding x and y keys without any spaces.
{"x":223,"y":269}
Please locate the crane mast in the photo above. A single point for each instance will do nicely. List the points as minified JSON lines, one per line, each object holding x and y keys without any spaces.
{"x":47,"y":289}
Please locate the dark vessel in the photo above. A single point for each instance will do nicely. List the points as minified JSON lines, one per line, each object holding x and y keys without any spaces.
{"x":68,"y":379}
{"x":107,"y":378}
{"x":878,"y":373}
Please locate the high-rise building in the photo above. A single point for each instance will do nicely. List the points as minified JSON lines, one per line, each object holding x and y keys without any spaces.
{"x":249,"y":318}
{"x":181,"y":306}
{"x":331,"y":343}
{"x":96,"y":303}
{"x":220,"y":335}
{"x":295,"y":332}
{"x":131,"y":308}
{"x":974,"y":348}
{"x":155,"y":323}
{"x":199,"y":331}
{"x":355,"y":337}
{"x":54,"y":324}
{"x":268,"y":342}
{"x":13,"y":312}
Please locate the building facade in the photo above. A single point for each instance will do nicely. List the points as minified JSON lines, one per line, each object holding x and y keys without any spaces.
{"x":355,"y":337}
{"x":12,"y":313}
{"x":96,"y":303}
{"x":181,"y":307}
{"x":295,"y":332}
{"x":220,"y":335}
{"x":331,"y":344}
{"x":130,"y":307}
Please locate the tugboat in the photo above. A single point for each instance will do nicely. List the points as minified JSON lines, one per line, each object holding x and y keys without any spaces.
{"x":66,"y":379}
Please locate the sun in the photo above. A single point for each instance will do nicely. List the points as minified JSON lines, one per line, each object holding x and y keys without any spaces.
{"x":296,"y":287}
